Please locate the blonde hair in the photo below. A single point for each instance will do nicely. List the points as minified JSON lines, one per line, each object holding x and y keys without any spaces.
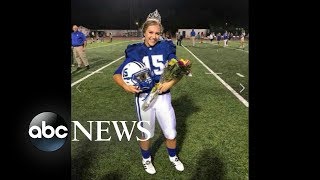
{"x":148,"y":23}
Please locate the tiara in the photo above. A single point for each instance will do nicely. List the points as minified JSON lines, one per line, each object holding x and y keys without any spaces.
{"x":154,"y":16}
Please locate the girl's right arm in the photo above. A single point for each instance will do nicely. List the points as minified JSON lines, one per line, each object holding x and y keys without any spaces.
{"x":131,"y":89}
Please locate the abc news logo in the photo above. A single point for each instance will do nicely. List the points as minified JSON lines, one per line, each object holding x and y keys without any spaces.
{"x":43,"y":131}
{"x":48,"y":131}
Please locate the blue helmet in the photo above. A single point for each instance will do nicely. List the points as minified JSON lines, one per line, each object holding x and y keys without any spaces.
{"x":137,"y":74}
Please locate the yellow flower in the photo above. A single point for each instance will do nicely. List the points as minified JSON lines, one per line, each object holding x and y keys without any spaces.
{"x":172,"y":62}
{"x":183,"y":62}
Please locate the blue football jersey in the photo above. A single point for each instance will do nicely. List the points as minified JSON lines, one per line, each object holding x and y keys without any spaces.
{"x":225,"y":36}
{"x":154,"y":57}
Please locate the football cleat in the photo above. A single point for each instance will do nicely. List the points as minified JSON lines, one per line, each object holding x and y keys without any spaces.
{"x":148,"y":166}
{"x":176,"y":163}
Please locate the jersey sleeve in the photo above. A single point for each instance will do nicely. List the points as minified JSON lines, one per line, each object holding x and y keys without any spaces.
{"x":171,"y":50}
{"x":130,"y":56}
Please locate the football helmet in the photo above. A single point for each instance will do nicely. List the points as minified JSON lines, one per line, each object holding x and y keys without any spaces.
{"x":137,"y":74}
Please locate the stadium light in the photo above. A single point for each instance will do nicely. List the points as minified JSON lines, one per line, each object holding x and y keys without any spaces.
{"x":137,"y":23}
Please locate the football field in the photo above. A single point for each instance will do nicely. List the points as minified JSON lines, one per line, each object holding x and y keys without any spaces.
{"x":211,"y":109}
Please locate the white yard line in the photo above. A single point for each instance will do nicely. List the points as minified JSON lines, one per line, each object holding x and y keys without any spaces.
{"x":240,"y":75}
{"x":96,"y":71}
{"x":245,"y":102}
{"x":231,"y":48}
{"x":237,"y":49}
{"x":211,"y":73}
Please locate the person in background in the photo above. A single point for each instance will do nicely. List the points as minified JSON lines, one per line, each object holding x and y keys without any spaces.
{"x":242,"y":40}
{"x":177,"y":37}
{"x":168,"y":36}
{"x":79,"y":43}
{"x":110,"y":36}
{"x":225,"y":39}
{"x":229,"y":38}
{"x":198,"y":36}
{"x":211,"y":37}
{"x":193,"y":36}
{"x":180,"y":37}
{"x":201,"y":37}
{"x":218,"y":38}
{"x":92,"y":37}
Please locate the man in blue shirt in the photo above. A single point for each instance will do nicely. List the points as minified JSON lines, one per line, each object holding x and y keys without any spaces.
{"x":79,"y":42}
{"x":193,"y":36}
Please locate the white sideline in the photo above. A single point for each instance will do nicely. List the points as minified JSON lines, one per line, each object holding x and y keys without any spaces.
{"x":245,"y":102}
{"x":96,"y":71}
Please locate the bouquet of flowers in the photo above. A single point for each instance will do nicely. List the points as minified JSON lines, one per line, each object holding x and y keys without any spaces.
{"x":175,"y":69}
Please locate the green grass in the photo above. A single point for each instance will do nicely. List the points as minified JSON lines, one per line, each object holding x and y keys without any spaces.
{"x":212,"y":124}
{"x":228,"y":61}
{"x":98,"y":57}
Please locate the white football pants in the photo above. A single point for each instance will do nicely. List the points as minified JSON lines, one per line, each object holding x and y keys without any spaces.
{"x":160,"y":109}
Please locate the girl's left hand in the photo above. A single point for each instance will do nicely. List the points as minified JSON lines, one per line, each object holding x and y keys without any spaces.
{"x":165,"y":86}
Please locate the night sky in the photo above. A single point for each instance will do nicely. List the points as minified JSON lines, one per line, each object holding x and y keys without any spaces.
{"x":122,"y":14}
